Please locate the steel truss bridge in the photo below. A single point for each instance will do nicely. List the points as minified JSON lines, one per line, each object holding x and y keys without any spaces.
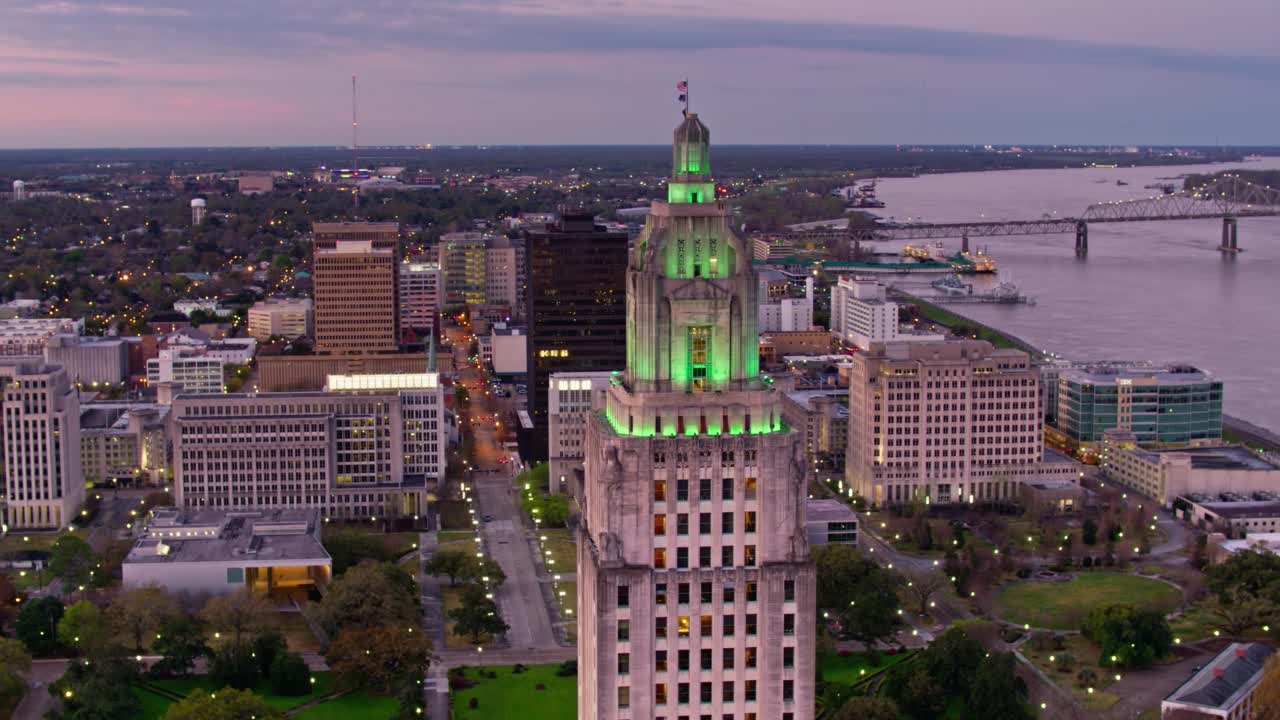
{"x":1228,"y":197}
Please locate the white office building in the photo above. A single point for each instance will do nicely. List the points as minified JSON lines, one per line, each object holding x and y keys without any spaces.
{"x":288,"y":318}
{"x":861,"y":314}
{"x":197,"y":374}
{"x":43,"y":485}
{"x":787,"y":314}
{"x":28,"y":336}
{"x":572,"y":397}
{"x":419,"y":294}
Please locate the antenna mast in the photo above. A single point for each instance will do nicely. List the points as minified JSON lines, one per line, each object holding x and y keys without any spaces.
{"x":355,"y":144}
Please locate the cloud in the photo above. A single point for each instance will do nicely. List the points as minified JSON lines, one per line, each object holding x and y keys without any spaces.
{"x":46,"y":79}
{"x":56,"y":60}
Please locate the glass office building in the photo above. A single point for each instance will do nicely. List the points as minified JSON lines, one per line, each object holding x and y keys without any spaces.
{"x":1161,"y":405}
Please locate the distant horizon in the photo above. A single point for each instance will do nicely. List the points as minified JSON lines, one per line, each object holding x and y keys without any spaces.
{"x":1115,"y":148}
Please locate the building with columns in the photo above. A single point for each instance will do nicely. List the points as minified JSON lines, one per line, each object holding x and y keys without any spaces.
{"x":696,"y":590}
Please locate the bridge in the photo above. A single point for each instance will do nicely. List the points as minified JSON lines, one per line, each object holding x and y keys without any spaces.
{"x":1227,"y":197}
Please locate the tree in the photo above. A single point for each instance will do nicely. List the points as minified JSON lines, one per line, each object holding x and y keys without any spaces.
{"x":71,"y":561}
{"x":1266,"y":697}
{"x":240,"y":613}
{"x":100,"y":690}
{"x":179,"y":643}
{"x":922,"y":586}
{"x":381,"y":656}
{"x":839,"y":568}
{"x":82,"y":627}
{"x":950,"y":660}
{"x":477,"y":616}
{"x":1246,"y":574}
{"x":922,"y":698}
{"x":290,"y":675}
{"x":14,"y":663}
{"x":37,"y":625}
{"x":867,"y":708}
{"x":140,"y":611}
{"x":1240,"y":611}
{"x":450,"y":563}
{"x":348,"y":548}
{"x":368,"y":595}
{"x":872,"y":612}
{"x":997,"y":691}
{"x":234,"y":666}
{"x":409,"y":700}
{"x":266,"y":648}
{"x":1089,"y":533}
{"x":1130,"y":637}
{"x":225,"y":704}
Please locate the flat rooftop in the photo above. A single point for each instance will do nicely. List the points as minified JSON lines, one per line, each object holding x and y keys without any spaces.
{"x":1225,"y":679}
{"x":828,"y":510}
{"x":1222,"y":457}
{"x":1110,"y":374}
{"x":175,"y":536}
{"x":1247,"y":509}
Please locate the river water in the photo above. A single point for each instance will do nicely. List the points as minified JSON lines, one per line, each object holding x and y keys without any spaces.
{"x":1156,"y":291}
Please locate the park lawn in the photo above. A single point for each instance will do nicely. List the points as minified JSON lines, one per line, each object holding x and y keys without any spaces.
{"x":464,"y":540}
{"x":568,"y":604}
{"x":1086,"y":655}
{"x":362,"y":705}
{"x":516,"y":696}
{"x":16,"y":541}
{"x":851,"y":668}
{"x":1199,"y":622}
{"x":559,"y":546}
{"x":155,"y":706}
{"x":1065,"y":605}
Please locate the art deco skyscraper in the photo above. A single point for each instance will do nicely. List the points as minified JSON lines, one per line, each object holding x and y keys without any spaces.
{"x":695,"y":587}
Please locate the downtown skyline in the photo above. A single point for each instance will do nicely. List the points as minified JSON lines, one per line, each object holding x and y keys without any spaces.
{"x":176,"y":73}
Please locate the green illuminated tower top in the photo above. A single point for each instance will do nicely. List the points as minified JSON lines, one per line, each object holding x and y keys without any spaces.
{"x":691,"y":163}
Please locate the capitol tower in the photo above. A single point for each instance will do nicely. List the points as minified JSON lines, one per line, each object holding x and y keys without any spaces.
{"x":696,"y":592}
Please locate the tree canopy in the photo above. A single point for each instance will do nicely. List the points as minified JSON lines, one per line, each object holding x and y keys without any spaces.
{"x":1130,"y":637}
{"x":368,"y":595}
{"x":225,"y":704}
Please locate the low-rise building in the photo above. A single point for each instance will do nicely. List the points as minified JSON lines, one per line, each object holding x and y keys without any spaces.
{"x":1223,"y":688}
{"x":194,"y":372}
{"x":208,"y":307}
{"x":1052,"y":496}
{"x":1166,"y":474}
{"x":28,"y":336}
{"x":830,"y":522}
{"x":124,"y":443}
{"x":862,"y":314}
{"x":572,"y":397}
{"x":90,"y":361}
{"x":232,"y":351}
{"x":288,"y":318}
{"x":508,"y":350}
{"x":823,"y":417}
{"x":289,"y":373}
{"x":1233,"y":515}
{"x":776,"y":345}
{"x":268,"y":552}
{"x":785,"y":313}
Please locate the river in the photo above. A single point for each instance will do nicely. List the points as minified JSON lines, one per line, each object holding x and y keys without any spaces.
{"x":1156,"y":291}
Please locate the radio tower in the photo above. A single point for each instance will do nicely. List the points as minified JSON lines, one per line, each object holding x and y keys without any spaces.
{"x":355,"y":144}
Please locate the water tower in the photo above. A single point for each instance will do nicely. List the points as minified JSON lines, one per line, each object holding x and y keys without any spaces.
{"x":19,"y":191}
{"x":198,"y":210}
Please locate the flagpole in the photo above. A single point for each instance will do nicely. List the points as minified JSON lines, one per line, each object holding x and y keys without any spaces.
{"x":686,"y":96}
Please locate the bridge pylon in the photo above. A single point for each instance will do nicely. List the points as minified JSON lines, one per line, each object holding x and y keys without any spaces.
{"x":1082,"y":238}
{"x":1230,"y":235}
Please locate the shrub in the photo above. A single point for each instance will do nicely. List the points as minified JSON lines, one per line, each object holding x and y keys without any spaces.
{"x":473,"y":703}
{"x":540,"y":686}
{"x":568,"y":668}
{"x":290,"y":675}
{"x":1064,"y":662}
{"x":517,"y":669}
{"x":1086,"y":678}
{"x":1087,"y":562}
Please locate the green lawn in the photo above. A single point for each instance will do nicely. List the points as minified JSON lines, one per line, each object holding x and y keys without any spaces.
{"x":517,"y":696}
{"x":353,"y":706}
{"x":560,"y":545}
{"x":1064,"y":605}
{"x":18,"y":540}
{"x":849,"y":669}
{"x":154,"y":706}
{"x":464,"y":540}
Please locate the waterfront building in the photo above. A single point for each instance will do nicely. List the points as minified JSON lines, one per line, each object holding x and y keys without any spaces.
{"x":945,"y":421}
{"x":372,"y":446}
{"x":356,"y":296}
{"x":283,"y":317}
{"x":27,"y":337}
{"x":572,"y":399}
{"x":419,"y":296}
{"x":1223,"y":688}
{"x":40,"y":423}
{"x":577,"y":308}
{"x":90,"y":361}
{"x":823,"y":417}
{"x":862,"y":314}
{"x":191,"y":369}
{"x":695,"y":585}
{"x":1166,"y":474}
{"x":124,"y":443}
{"x":829,"y":521}
{"x":213,"y":552}
{"x":1162,"y":405}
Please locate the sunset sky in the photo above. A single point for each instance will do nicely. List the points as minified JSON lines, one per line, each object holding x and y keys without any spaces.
{"x":278,"y":72}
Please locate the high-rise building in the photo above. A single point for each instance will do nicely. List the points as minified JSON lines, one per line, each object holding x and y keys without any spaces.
{"x":463,"y":264}
{"x":572,"y":399}
{"x":576,"y":308}
{"x":419,"y":295}
{"x":945,"y":421}
{"x":356,"y":298}
{"x":193,"y":371}
{"x":43,"y":485}
{"x":861,"y":314}
{"x":695,"y":586}
{"x":502,"y":273}
{"x":1160,"y":405}
{"x":381,"y":235}
{"x":371,"y":446}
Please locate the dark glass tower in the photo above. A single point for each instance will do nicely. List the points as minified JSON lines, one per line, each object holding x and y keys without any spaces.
{"x":577,"y":308}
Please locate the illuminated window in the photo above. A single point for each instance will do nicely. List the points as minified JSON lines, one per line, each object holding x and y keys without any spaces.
{"x":660,"y":690}
{"x":682,"y":626}
{"x":660,"y":491}
{"x":659,"y":524}
{"x":750,"y":486}
{"x":705,"y":623}
{"x":659,"y":558}
{"x":749,"y":521}
{"x":699,"y":356}
{"x":624,"y":697}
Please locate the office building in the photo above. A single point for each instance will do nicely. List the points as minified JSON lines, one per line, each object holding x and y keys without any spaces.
{"x":695,"y":586}
{"x":211,"y":552}
{"x":463,"y":262}
{"x":572,"y":399}
{"x":1173,"y":404}
{"x":503,"y":272}
{"x":189,"y":369}
{"x":280,"y":317}
{"x":946,"y":421}
{"x":576,"y":307}
{"x":27,"y":337}
{"x":822,"y":416}
{"x":372,"y":446}
{"x":43,"y":485}
{"x":505,"y":350}
{"x":1223,"y":688}
{"x":379,"y":235}
{"x":356,"y":298}
{"x":288,"y":373}
{"x":829,"y":521}
{"x":419,"y":296}
{"x":862,"y":313}
{"x":124,"y":443}
{"x":90,"y":361}
{"x":255,"y":183}
{"x":787,"y":313}
{"x":1166,"y":474}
